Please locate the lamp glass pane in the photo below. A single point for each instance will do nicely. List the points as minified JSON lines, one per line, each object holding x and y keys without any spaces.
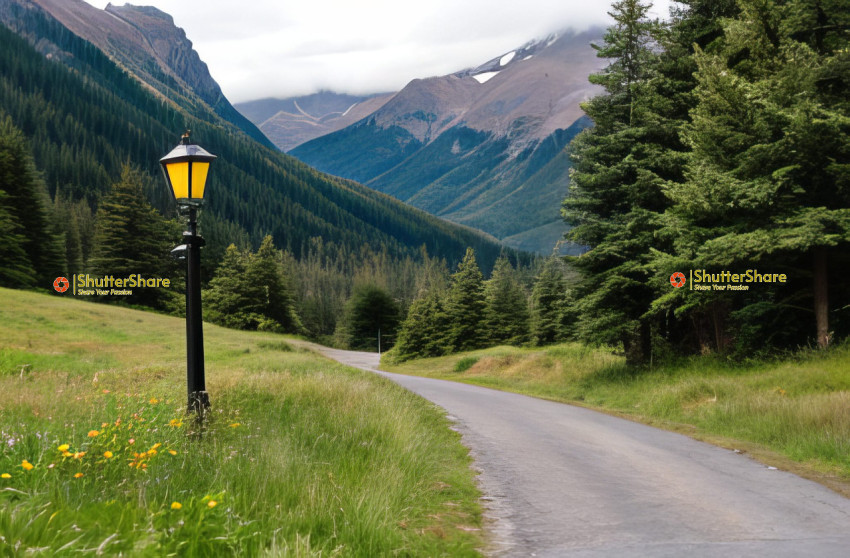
{"x":199,"y":179}
{"x":178,"y":174}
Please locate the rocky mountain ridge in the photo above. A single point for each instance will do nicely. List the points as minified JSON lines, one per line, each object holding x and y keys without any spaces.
{"x":144,"y":41}
{"x":482,"y":147}
{"x":295,"y":120}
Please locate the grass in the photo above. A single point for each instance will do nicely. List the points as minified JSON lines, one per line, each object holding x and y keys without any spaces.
{"x":299,"y":456}
{"x":794,"y":413}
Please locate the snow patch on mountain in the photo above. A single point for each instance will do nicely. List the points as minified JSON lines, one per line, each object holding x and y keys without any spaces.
{"x":485,"y":77}
{"x":487,"y":70}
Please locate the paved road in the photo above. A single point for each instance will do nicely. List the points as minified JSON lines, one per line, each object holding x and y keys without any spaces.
{"x":561,"y":480}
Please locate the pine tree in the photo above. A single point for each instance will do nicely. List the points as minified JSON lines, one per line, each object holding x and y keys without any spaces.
{"x":265,"y":271}
{"x":465,"y":305}
{"x":424,"y":332}
{"x":28,"y":208}
{"x":615,"y":195}
{"x":507,"y":315}
{"x":132,"y":238}
{"x":669,"y":100}
{"x":16,"y":270}
{"x":232,"y":300}
{"x":69,"y":230}
{"x":549,"y":298}
{"x":369,"y":313}
{"x":768,"y":181}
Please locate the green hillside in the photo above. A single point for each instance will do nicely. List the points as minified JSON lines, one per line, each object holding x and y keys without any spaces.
{"x":300,"y":456}
{"x":86,"y":117}
{"x":464,"y":175}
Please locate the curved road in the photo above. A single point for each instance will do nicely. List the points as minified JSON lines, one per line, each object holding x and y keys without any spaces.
{"x":561,"y":480}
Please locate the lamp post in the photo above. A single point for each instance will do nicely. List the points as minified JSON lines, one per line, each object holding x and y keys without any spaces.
{"x":185,"y":170}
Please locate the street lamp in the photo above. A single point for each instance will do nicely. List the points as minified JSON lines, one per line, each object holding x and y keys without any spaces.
{"x":185,"y":170}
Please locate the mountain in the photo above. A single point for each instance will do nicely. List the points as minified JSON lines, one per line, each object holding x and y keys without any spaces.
{"x":484,"y":147}
{"x":143,"y":41}
{"x":87,"y":110}
{"x":296,"y":120}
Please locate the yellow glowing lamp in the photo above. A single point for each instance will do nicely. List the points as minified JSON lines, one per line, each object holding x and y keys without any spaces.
{"x":186,"y":169}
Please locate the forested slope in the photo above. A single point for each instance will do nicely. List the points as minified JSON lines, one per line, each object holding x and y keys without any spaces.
{"x":85,"y":118}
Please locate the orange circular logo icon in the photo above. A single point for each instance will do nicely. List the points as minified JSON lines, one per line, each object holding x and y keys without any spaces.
{"x":677,"y":279}
{"x":61,"y":284}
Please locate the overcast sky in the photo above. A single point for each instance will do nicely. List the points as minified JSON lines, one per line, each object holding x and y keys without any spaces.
{"x":282,"y":48}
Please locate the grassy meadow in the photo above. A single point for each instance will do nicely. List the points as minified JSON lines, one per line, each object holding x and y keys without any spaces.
{"x":299,"y":456}
{"x":792,"y":413}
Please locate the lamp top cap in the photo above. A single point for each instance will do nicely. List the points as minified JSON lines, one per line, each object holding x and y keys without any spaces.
{"x":187,"y":151}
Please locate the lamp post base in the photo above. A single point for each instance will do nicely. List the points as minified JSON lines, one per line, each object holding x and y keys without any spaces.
{"x":199,"y":402}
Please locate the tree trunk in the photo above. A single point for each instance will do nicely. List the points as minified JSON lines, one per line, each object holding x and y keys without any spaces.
{"x":821,"y":282}
{"x":637,"y":345}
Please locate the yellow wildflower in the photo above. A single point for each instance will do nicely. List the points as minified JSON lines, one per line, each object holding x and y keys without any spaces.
{"x":27,"y":465}
{"x":107,"y":454}
{"x":79,"y":455}
{"x":63,"y":447}
{"x":6,"y":476}
{"x":154,"y":401}
{"x":67,"y":454}
{"x":78,"y":475}
{"x":176,"y":505}
{"x":156,"y":446}
{"x":212,"y":504}
{"x":172,"y":452}
{"x":177,"y":423}
{"x":235,"y":424}
{"x":93,"y":433}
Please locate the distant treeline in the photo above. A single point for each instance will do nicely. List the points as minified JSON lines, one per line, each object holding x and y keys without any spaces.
{"x":267,"y":289}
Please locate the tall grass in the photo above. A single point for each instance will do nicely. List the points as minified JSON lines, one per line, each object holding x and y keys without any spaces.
{"x":299,"y":456}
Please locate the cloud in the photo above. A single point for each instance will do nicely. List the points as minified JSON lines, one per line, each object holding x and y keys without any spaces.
{"x":270,"y":48}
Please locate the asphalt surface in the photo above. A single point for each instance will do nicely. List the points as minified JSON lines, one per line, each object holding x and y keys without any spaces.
{"x":561,"y":480}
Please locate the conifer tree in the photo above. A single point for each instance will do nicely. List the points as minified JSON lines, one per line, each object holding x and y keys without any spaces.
{"x":265,"y":270}
{"x":507,"y":315}
{"x":28,"y":209}
{"x":132,"y":238}
{"x":465,"y":305}
{"x":549,"y":299}
{"x":667,"y":103}
{"x":15,"y":270}
{"x":232,"y":300}
{"x":425,"y":331}
{"x":66,"y":222}
{"x":768,"y":178}
{"x":370,"y":313}
{"x":615,"y":195}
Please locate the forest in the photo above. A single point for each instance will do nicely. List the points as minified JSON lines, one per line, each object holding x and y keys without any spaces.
{"x":81,"y":142}
{"x":720,"y":146}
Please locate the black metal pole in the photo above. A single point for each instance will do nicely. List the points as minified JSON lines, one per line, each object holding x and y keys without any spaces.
{"x":199,"y":399}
